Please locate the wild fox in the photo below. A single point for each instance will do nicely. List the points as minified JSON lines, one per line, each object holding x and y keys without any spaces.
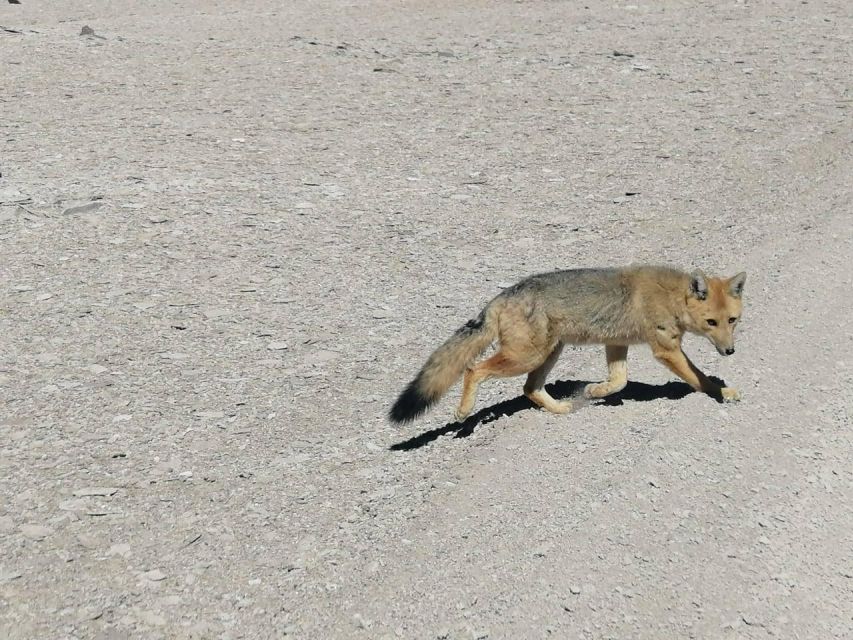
{"x":533,"y":319}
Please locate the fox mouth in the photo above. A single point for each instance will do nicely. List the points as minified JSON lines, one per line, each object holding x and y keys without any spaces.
{"x":727,"y":351}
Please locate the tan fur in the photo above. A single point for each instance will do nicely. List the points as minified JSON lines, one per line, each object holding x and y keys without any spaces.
{"x":532,"y":320}
{"x":447,"y":363}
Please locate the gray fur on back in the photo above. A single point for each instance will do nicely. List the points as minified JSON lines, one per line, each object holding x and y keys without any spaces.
{"x":587,"y":305}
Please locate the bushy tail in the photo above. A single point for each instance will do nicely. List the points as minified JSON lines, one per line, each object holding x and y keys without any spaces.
{"x":444,"y":367}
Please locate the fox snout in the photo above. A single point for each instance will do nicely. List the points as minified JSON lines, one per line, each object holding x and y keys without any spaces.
{"x":725,"y":346}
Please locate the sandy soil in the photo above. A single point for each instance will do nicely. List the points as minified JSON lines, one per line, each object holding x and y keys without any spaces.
{"x":231,"y":232}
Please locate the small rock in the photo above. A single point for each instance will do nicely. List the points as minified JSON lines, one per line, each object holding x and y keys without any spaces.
{"x":574,"y":590}
{"x":210,"y":415}
{"x":89,"y":206}
{"x":87,"y":542}
{"x":321,"y":357}
{"x":8,"y":576}
{"x":89,"y":613}
{"x":152,"y":618}
{"x":277,"y":346}
{"x":95,"y":491}
{"x":361,"y":622}
{"x":214,"y":313}
{"x":36,"y":531}
{"x":751,"y":621}
{"x":87,"y":31}
{"x":122,"y":550}
{"x":7,"y":525}
{"x":73,"y":505}
{"x":172,"y":355}
{"x":155,"y":575}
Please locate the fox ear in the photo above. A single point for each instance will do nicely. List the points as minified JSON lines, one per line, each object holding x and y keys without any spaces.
{"x":698,"y":285}
{"x":736,"y":284}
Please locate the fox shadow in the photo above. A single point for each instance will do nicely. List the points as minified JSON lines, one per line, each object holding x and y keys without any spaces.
{"x":633,"y":391}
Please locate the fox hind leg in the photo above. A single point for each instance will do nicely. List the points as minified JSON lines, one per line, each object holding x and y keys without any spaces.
{"x":500,"y":365}
{"x":617,"y":368}
{"x":534,"y":387}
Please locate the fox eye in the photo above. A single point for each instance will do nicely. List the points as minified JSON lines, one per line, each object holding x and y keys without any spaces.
{"x":732,"y":320}
{"x":711,"y":323}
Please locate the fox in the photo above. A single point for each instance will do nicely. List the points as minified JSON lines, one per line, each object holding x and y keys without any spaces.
{"x":531,"y":321}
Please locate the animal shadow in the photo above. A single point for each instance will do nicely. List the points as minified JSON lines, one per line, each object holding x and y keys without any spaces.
{"x":633,"y":391}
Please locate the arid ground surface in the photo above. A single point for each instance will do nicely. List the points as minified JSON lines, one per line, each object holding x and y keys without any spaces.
{"x":231,"y":232}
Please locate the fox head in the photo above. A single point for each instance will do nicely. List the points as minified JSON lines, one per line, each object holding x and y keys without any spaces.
{"x":714,"y":307}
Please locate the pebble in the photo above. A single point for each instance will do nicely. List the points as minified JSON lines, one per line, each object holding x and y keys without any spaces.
{"x":87,"y":542}
{"x":95,"y":491}
{"x":122,"y":549}
{"x":210,"y":415}
{"x":152,"y":618}
{"x":83,"y":208}
{"x":361,"y":622}
{"x":8,"y":576}
{"x":277,"y":346}
{"x":89,"y":613}
{"x":36,"y":531}
{"x":321,"y":357}
{"x":73,"y":505}
{"x":155,"y":575}
{"x":213,"y":312}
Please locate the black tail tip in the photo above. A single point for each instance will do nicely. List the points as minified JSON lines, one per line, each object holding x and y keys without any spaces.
{"x":411,"y":404}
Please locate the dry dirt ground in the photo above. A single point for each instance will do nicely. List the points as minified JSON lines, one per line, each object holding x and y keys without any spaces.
{"x":232,"y":231}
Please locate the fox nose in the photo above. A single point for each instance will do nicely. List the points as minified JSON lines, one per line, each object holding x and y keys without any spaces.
{"x":730,"y":351}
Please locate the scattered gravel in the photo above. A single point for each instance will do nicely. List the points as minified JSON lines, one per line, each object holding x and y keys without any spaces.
{"x":230,"y":235}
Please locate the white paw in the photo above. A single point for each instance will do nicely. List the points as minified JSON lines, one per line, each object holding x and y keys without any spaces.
{"x":729,"y":394}
{"x":595,"y":390}
{"x":460,"y":415}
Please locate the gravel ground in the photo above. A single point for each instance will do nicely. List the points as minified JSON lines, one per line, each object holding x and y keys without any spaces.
{"x":232,"y":232}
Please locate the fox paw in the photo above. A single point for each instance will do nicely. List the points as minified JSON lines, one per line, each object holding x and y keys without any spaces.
{"x":595,"y":390}
{"x":602,"y":389}
{"x":729,"y":394}
{"x":460,"y":415}
{"x":560,"y":407}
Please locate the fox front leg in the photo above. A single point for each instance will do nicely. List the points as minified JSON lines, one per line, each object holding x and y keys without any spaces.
{"x":617,"y":373}
{"x":677,"y":362}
